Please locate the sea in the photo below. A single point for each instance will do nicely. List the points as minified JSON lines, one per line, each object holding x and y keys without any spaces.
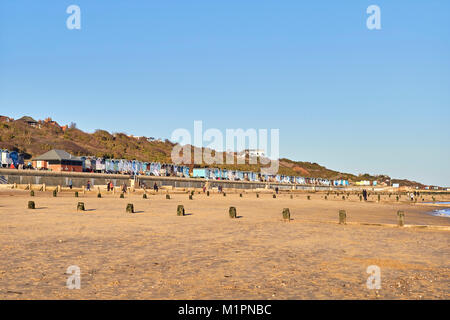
{"x":441,"y":212}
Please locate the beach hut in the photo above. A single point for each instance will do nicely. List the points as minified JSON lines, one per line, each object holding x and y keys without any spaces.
{"x":58,"y":160}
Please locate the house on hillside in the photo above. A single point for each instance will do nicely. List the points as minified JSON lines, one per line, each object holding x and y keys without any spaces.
{"x":6,"y":119}
{"x":58,"y":160}
{"x":29,"y":120}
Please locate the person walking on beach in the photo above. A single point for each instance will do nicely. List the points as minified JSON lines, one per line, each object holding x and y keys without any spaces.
{"x":108,"y":186}
{"x":276,"y":190}
{"x":124,"y":188}
{"x":88,"y":186}
{"x":365,"y":194}
{"x":70,"y":184}
{"x":155,"y":187}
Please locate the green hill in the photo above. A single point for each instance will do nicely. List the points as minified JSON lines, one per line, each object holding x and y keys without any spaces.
{"x":35,"y":138}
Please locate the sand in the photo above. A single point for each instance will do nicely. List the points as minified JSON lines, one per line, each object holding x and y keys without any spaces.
{"x":155,"y":254}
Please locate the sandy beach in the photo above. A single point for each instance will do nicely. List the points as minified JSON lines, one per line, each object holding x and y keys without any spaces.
{"x":155,"y":254}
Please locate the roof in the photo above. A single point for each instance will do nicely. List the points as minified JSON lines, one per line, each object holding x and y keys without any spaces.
{"x":57,"y":155}
{"x":27,"y":119}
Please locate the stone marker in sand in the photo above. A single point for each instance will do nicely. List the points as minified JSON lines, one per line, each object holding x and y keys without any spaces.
{"x":76,"y":194}
{"x":232,"y":212}
{"x":224,"y":194}
{"x":144,"y":196}
{"x":31,"y":193}
{"x":286,"y":214}
{"x":240,"y":195}
{"x":190,"y":197}
{"x":180,"y":210}
{"x":130,"y":208}
{"x":99,"y":195}
{"x":55,"y":193}
{"x":308,"y":197}
{"x":342,"y":217}
{"x":274,"y":196}
{"x":80,"y":206}
{"x":257,"y":195}
{"x":31,"y":205}
{"x":401,"y":218}
{"x":207,"y":193}
{"x":167,"y":196}
{"x":122,"y":195}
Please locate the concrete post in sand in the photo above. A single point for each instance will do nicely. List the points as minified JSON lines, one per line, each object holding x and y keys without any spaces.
{"x":84,"y":190}
{"x":401,"y":218}
{"x":342,"y":217}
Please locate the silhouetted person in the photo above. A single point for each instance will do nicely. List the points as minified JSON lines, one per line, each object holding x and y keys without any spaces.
{"x":365,"y":195}
{"x":155,"y":187}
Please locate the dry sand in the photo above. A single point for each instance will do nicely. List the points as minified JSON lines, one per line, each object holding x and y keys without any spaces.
{"x":155,"y":254}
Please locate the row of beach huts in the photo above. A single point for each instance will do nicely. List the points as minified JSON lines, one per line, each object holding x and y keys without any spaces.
{"x":62,"y":161}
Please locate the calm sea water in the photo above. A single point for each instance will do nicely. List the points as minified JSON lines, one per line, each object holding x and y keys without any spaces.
{"x":441,"y":212}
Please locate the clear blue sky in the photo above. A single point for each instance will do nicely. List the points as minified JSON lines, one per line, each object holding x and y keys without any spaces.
{"x":343,"y":96}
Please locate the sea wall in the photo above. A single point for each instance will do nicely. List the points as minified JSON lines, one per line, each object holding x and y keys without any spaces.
{"x":79,"y":179}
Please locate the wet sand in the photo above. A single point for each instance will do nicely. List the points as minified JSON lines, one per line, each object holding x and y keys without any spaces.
{"x":155,"y":254}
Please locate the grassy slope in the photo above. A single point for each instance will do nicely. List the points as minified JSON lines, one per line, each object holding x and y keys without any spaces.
{"x":17,"y":135}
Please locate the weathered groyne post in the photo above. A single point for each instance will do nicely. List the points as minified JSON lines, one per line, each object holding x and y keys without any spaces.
{"x":401,"y":218}
{"x":342,"y":217}
{"x":286,"y":214}
{"x":80,"y":206}
{"x":31,"y":205}
{"x":232,"y":212}
{"x":180,"y":210}
{"x":130,"y":208}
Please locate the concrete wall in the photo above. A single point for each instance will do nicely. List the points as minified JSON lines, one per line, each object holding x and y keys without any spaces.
{"x":50,"y":178}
